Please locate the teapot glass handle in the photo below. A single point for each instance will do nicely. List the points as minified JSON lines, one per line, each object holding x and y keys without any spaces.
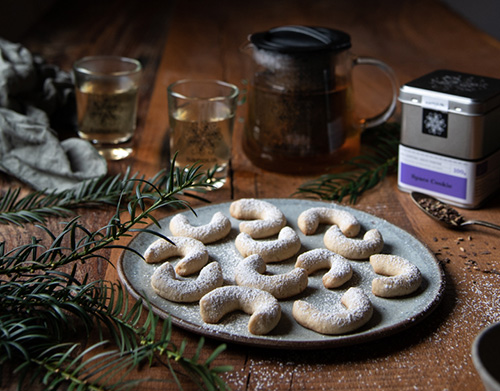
{"x":389,"y":110}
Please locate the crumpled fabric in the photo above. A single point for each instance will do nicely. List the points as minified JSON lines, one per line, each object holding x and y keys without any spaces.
{"x":32,"y":95}
{"x":33,"y":153}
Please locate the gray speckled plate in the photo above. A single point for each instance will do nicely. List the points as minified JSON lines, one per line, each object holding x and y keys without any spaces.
{"x":390,"y":315}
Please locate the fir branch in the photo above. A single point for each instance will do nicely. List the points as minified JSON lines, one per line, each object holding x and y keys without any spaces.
{"x":44,"y":306}
{"x":39,"y":345}
{"x":361,"y":173}
{"x":37,"y":206}
{"x":82,"y":245}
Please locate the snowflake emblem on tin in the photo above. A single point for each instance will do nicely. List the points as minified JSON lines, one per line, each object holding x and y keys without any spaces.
{"x":435,"y":123}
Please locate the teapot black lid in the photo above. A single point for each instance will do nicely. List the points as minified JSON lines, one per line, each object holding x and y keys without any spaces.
{"x":301,"y":39}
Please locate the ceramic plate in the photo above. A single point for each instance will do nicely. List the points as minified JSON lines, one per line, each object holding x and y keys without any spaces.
{"x":390,"y":315}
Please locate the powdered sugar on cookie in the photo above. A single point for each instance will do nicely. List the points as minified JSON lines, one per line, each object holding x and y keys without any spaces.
{"x":263,"y":307}
{"x":265,"y":218}
{"x":310,"y":219}
{"x":167,"y":285}
{"x":286,"y":246}
{"x":250,"y":273}
{"x":401,"y":277}
{"x":352,"y":248}
{"x":340,"y":270}
{"x":218,"y":228}
{"x":193,"y":252}
{"x":358,"y":311}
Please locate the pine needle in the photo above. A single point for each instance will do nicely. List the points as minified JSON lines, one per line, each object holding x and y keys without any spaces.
{"x":361,"y":173}
{"x":37,"y":206}
{"x":44,"y":307}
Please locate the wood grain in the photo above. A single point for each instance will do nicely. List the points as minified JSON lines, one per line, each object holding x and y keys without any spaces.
{"x":197,"y":39}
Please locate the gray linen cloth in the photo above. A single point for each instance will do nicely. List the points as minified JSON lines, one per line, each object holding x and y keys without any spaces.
{"x":31,"y":92}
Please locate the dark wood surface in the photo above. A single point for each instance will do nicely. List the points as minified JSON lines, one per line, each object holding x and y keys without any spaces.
{"x":197,"y":39}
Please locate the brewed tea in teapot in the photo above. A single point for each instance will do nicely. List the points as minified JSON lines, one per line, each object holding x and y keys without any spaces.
{"x":300,"y":107}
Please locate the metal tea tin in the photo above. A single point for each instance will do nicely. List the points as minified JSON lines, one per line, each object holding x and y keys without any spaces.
{"x":450,"y":137}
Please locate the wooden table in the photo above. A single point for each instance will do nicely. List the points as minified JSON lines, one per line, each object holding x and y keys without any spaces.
{"x":197,"y":39}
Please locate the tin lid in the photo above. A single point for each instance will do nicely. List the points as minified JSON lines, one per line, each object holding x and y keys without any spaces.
{"x":453,"y":91}
{"x":301,"y":39}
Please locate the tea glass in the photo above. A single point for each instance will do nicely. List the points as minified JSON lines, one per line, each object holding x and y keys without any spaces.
{"x":201,"y":117}
{"x":106,"y":95}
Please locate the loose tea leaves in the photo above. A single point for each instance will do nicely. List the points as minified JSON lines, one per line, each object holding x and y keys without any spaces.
{"x":441,"y":211}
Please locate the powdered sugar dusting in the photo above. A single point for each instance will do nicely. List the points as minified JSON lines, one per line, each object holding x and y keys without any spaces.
{"x":266,"y":218}
{"x":218,"y":228}
{"x":309,"y":220}
{"x":340,"y":270}
{"x":263,"y":307}
{"x":401,"y":277}
{"x":353,"y":248}
{"x":287,"y":245}
{"x":358,"y":310}
{"x":169,"y":286}
{"x":250,"y":272}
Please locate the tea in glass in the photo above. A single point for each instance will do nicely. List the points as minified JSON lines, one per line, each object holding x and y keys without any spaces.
{"x":201,"y":115}
{"x":106,"y":95}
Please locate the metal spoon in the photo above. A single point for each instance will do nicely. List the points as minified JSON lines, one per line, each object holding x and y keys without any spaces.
{"x":444,"y":213}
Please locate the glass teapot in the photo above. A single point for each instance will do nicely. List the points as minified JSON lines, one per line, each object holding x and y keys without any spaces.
{"x":300,"y":116}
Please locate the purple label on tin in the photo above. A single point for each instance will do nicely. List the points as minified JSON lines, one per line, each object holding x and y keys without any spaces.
{"x":435,"y":181}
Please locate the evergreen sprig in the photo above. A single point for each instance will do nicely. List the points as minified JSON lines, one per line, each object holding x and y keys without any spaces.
{"x":37,"y":206}
{"x":361,"y":173}
{"x":46,"y":309}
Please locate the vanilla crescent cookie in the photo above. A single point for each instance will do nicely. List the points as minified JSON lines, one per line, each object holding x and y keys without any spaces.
{"x":358,"y":311}
{"x":166,"y":284}
{"x":250,"y":273}
{"x":218,"y":228}
{"x":310,"y":219}
{"x":266,"y":219}
{"x":193,"y":252}
{"x":401,"y":277}
{"x":287,"y":245}
{"x":353,"y":248}
{"x":263,"y":307}
{"x":340,"y":269}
